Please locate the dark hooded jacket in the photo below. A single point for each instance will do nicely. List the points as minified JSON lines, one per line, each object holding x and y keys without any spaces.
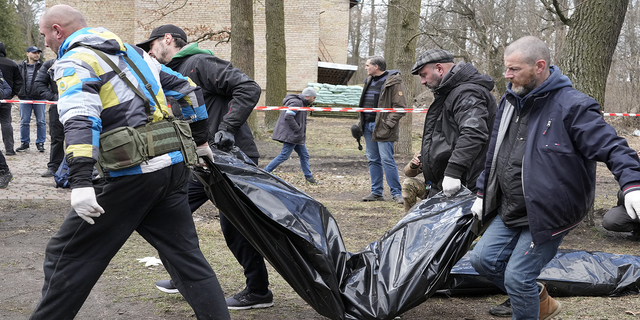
{"x":44,"y":85}
{"x":10,"y":71}
{"x":566,"y":135}
{"x":5,"y":89}
{"x":291,"y":126}
{"x":229,"y":94}
{"x":457,"y":127}
{"x":391,"y":96}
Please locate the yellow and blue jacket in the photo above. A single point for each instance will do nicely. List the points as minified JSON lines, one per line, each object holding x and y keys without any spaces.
{"x":94,"y":99}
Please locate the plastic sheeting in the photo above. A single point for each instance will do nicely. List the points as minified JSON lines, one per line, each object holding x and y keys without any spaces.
{"x":569,"y":273}
{"x":302,"y":241}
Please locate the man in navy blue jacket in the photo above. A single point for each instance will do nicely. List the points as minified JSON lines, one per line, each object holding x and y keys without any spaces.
{"x":539,"y":177}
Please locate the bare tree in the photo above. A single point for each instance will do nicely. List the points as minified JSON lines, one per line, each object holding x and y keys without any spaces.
{"x":372,"y":30}
{"x":594,"y":28}
{"x":355,"y":34}
{"x":242,"y":47}
{"x":399,"y":52}
{"x":27,"y":11}
{"x":276,"y":60}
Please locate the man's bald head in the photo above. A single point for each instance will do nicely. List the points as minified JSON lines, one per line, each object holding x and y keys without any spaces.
{"x":58,"y":23}
{"x":65,"y":16}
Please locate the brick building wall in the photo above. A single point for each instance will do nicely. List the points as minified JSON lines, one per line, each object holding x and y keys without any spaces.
{"x":314,"y":29}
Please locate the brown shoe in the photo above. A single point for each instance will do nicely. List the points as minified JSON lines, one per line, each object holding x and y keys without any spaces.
{"x":549,"y":307}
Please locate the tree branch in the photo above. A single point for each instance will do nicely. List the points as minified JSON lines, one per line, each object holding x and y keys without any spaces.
{"x":555,"y":9}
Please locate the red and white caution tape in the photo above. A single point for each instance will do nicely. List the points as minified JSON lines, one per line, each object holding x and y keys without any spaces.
{"x":621,"y":114}
{"x":355,"y":109}
{"x":29,"y":101}
{"x":400,"y":110}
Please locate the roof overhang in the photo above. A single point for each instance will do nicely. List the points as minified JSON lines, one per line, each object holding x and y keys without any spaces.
{"x":335,"y":73}
{"x":353,"y":3}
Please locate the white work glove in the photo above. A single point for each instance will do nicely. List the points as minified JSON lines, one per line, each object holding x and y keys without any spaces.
{"x":450,"y":186}
{"x":476,"y":208}
{"x":632,"y":204}
{"x":83,"y":200}
{"x":204,"y":151}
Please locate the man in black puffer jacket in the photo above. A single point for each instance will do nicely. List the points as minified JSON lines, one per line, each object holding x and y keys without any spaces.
{"x":48,"y":90}
{"x":291,"y":130}
{"x":230,"y":96}
{"x":458,"y":125}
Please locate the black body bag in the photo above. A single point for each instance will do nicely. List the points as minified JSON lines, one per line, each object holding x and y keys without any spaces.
{"x":302,"y":241}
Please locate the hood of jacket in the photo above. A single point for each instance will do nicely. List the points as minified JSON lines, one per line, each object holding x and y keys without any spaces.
{"x":3,"y":50}
{"x":98,"y":38}
{"x":556,"y":80}
{"x":463,"y":73}
{"x":190,"y":50}
{"x":393,"y":78}
{"x":289,"y":97}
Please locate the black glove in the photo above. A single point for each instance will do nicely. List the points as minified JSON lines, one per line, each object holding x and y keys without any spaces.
{"x":224,"y":141}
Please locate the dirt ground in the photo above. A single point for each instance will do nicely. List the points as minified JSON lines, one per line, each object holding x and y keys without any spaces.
{"x":126,"y":289}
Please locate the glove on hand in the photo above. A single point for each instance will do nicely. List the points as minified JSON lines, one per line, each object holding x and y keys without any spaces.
{"x":476,"y":208}
{"x":450,"y":186}
{"x":632,"y":204}
{"x":224,"y":140}
{"x":83,"y":200}
{"x":204,"y":151}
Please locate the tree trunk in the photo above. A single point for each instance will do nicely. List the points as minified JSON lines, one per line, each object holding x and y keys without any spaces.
{"x":276,"y":60}
{"x":399,"y":51}
{"x":588,"y":49}
{"x":591,"y":41}
{"x":372,"y":30}
{"x":242,"y":47}
{"x":355,"y":35}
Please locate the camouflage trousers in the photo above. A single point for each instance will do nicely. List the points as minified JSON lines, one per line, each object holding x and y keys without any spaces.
{"x":413,"y":190}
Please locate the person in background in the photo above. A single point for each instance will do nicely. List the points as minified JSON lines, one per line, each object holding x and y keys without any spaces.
{"x":5,"y":173}
{"x":540,"y":175}
{"x":382,"y":89}
{"x":48,"y":90}
{"x":230,"y":96}
{"x":12,"y":75}
{"x":29,"y":70}
{"x":150,"y":198}
{"x":413,"y":189}
{"x":291,"y":130}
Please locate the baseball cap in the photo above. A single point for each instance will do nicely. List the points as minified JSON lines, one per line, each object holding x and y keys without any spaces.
{"x":160,"y":32}
{"x":431,"y":56}
{"x":33,"y":49}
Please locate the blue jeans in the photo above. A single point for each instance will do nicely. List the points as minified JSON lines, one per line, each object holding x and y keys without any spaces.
{"x":25,"y":119}
{"x":380,"y":155}
{"x":287,"y":148}
{"x":509,"y":259}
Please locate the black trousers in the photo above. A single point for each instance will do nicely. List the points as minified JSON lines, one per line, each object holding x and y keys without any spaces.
{"x":156,"y":206}
{"x":56,"y":132}
{"x":3,"y":163}
{"x":249,"y":258}
{"x":5,"y":126}
{"x":617,"y":219}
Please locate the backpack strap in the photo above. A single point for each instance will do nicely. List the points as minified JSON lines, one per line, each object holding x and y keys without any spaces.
{"x":123,"y":76}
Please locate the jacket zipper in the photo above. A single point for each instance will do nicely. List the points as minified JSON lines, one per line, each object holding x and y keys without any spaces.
{"x":548,"y":125}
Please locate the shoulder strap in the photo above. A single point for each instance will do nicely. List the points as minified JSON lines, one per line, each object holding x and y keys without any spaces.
{"x":123,"y":76}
